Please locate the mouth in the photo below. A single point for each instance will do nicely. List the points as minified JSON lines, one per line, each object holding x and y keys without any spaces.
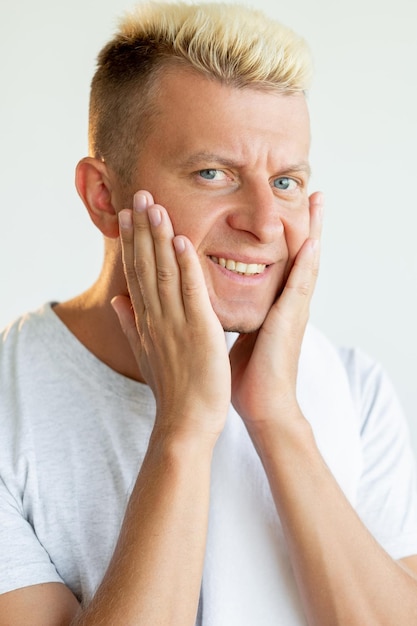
{"x":244,"y":269}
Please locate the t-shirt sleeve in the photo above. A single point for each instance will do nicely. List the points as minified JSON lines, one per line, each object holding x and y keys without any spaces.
{"x":23,"y":560}
{"x":387,"y":496}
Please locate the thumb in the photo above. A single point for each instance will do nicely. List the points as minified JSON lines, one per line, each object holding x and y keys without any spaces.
{"x":126,"y":316}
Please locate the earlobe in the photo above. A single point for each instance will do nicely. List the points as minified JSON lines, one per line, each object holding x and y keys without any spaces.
{"x":95,"y":189}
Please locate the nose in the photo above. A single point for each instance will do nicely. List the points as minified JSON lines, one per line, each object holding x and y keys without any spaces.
{"x":256,"y":211}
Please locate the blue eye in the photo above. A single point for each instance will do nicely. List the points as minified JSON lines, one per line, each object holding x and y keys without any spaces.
{"x":284,"y":183}
{"x":208,"y":174}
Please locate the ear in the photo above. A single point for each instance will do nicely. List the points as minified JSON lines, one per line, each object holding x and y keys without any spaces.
{"x":94,"y":185}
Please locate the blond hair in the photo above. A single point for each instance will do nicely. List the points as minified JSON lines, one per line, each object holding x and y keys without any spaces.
{"x":233,"y":44}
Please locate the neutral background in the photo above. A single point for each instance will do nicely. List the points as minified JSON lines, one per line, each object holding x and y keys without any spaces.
{"x":364,"y":157}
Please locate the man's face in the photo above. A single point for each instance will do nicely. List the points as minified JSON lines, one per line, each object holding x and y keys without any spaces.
{"x":231,"y":167}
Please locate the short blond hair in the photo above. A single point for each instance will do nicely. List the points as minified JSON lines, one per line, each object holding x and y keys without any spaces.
{"x":233,"y":44}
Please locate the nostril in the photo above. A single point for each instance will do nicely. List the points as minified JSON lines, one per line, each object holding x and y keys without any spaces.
{"x":265,"y":226}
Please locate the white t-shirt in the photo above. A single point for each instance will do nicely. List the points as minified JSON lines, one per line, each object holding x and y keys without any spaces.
{"x":73,"y":434}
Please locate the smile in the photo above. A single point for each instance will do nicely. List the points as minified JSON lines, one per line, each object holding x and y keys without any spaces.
{"x":246,"y":269}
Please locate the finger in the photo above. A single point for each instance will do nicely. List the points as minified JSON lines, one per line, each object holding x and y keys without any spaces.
{"x":316,"y":203}
{"x":123,"y":308}
{"x":127,"y":244}
{"x":167,"y":270}
{"x":142,"y":260}
{"x":303,"y":276}
{"x":294,"y":301}
{"x":146,"y":194}
{"x":299,"y":287}
{"x":195,"y":296}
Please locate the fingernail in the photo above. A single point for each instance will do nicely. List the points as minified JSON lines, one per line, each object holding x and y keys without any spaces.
{"x":140,"y":202}
{"x":179,"y":244}
{"x":125,"y":218}
{"x":154,"y":216}
{"x":113,"y":303}
{"x":314,"y":245}
{"x":320,"y":203}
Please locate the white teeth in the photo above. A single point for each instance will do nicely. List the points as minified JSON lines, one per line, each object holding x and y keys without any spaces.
{"x":239,"y":267}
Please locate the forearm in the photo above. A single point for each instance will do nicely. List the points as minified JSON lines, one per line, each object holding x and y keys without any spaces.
{"x":344,"y":576}
{"x":155,"y":574}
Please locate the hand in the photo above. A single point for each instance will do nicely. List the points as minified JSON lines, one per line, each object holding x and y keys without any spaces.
{"x":169,"y":322}
{"x":265,"y":363}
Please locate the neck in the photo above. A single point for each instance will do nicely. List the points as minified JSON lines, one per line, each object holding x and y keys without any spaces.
{"x":91,"y":318}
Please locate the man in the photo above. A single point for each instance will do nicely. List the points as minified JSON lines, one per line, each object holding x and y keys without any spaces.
{"x":132,"y":492}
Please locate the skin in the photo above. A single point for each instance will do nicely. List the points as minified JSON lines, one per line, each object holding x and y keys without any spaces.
{"x":232,"y":210}
{"x":172,"y":303}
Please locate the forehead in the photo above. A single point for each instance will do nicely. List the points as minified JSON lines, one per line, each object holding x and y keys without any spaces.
{"x":195,"y":115}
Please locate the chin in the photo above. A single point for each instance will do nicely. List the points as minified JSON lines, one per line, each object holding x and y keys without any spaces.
{"x":238,"y":324}
{"x":240,"y":328}
{"x":241,"y":316}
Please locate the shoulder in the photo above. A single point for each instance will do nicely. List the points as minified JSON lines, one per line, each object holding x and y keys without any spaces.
{"x":383,"y":427}
{"x":25,"y":349}
{"x":365,"y":375}
{"x":29,"y":327}
{"x":373,"y":393}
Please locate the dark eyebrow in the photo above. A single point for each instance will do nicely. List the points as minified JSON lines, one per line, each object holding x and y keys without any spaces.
{"x":210,"y":157}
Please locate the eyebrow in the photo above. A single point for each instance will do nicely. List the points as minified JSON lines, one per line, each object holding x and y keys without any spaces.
{"x":199,"y":157}
{"x":210,"y":157}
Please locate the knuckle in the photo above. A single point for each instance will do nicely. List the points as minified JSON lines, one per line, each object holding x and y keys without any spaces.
{"x":141,"y":266}
{"x":165,"y":274}
{"x":140,"y":225}
{"x":304,"y":289}
{"x":130,"y":274}
{"x":190,"y":289}
{"x":126,"y":237}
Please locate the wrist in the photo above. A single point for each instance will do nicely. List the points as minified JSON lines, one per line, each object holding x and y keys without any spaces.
{"x":190,"y":420}
{"x":284,"y":434}
{"x":179,"y":441}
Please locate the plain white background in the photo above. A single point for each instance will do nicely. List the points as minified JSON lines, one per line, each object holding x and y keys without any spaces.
{"x":363,"y":106}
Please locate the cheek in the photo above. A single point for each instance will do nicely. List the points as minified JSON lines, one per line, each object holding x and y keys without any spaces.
{"x":193,"y":218}
{"x":185,"y":224}
{"x":296,"y":232}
